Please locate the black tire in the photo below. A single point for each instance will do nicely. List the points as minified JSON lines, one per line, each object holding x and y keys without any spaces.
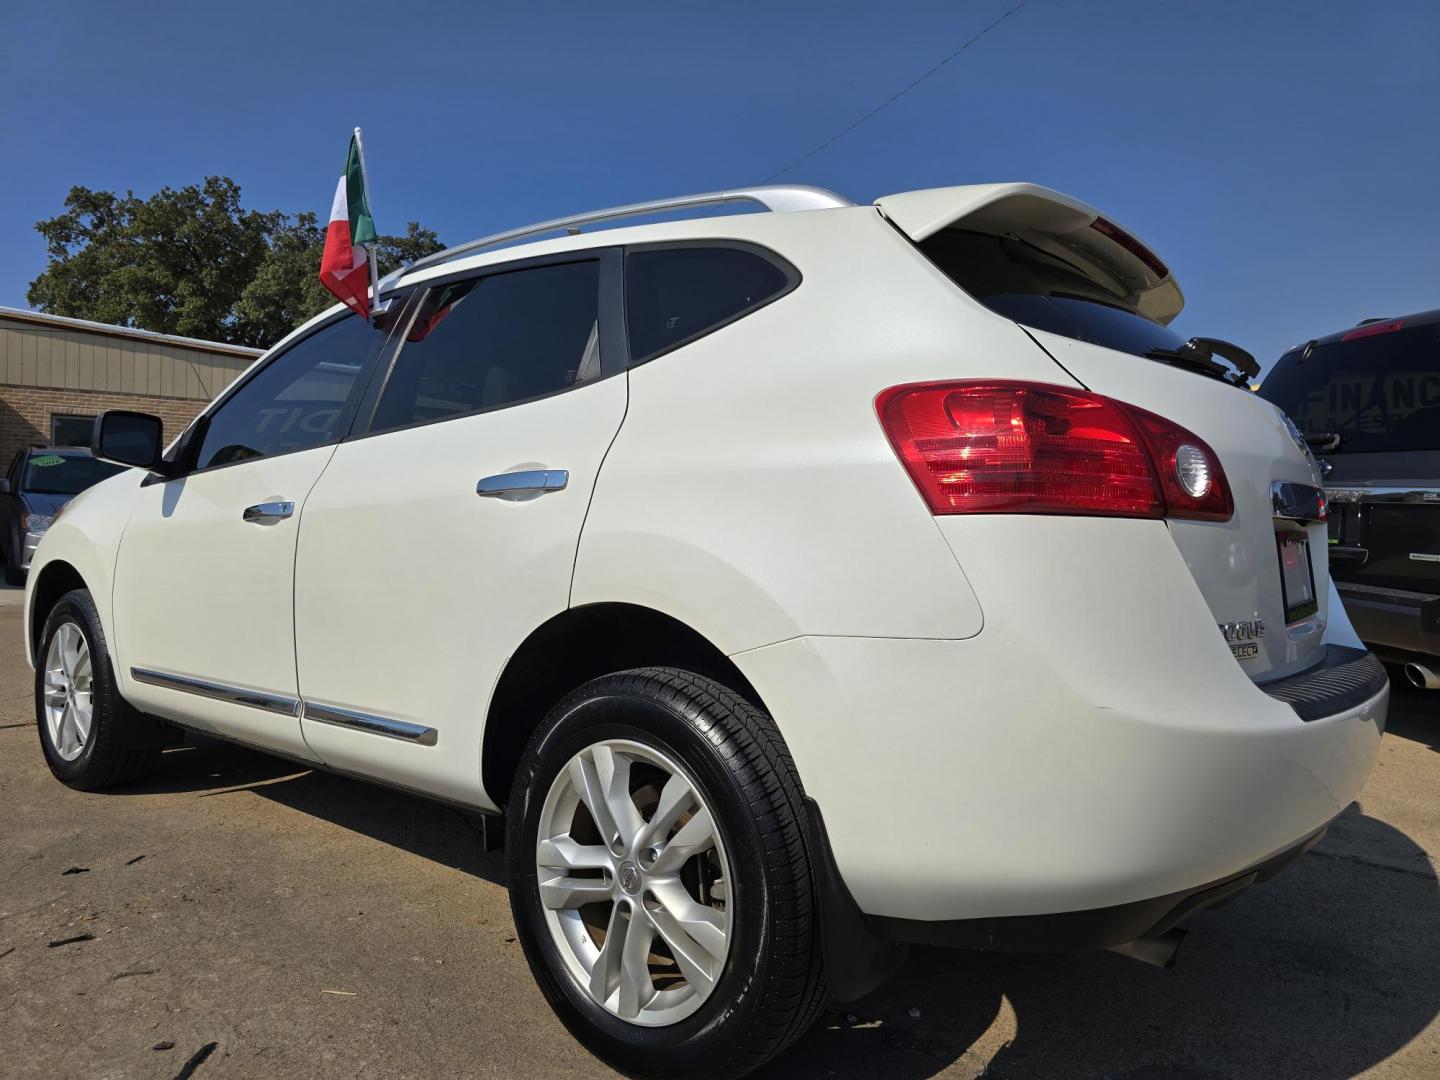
{"x":122,"y":742}
{"x":772,"y":986}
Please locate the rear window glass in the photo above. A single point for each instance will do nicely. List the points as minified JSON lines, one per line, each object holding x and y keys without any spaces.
{"x":1034,"y":288}
{"x":1378,"y":393}
{"x":673,"y":295}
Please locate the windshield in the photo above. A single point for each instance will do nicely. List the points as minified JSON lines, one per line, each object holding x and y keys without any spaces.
{"x":1379,"y":391}
{"x":1021,"y":282}
{"x":56,"y":474}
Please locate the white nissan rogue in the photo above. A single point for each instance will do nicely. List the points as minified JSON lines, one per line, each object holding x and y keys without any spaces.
{"x":797,"y":584}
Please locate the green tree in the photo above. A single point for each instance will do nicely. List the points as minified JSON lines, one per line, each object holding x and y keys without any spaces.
{"x":193,"y":261}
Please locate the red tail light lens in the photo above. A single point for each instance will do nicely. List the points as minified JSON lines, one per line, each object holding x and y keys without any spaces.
{"x":1190,"y":474}
{"x":1028,"y":448}
{"x":1371,"y":329}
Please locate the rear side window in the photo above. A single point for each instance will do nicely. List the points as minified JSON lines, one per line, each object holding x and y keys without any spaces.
{"x":486,"y":342}
{"x":1034,"y":288}
{"x":675,"y":294}
{"x":1379,"y":391}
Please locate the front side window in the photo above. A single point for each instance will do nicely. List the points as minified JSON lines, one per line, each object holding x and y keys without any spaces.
{"x":487,"y":342}
{"x":297,"y":401}
{"x":675,"y":294}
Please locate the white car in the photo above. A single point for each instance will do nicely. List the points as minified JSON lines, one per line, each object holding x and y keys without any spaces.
{"x":798,"y":584}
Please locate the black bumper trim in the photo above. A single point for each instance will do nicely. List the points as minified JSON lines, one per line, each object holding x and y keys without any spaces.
{"x":1097,"y":928}
{"x":1344,"y":679}
{"x":1396,"y":623}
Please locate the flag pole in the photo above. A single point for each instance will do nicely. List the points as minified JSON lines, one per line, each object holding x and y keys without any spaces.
{"x":365,"y":177}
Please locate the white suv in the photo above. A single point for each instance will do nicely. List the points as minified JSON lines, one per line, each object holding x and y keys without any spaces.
{"x":797,"y":584}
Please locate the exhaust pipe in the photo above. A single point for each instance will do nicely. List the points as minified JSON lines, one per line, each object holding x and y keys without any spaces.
{"x":1422,"y":677}
{"x":1159,"y":950}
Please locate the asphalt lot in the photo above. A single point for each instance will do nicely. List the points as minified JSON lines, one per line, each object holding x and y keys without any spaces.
{"x":312,"y":926}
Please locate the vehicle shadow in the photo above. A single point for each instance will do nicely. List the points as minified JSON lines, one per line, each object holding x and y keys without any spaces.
{"x":1319,"y":974}
{"x":215,"y":768}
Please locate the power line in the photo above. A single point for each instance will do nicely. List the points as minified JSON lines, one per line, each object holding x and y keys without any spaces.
{"x":893,"y":97}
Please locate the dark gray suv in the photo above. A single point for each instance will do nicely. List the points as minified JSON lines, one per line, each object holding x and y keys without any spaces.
{"x":1367,"y":400}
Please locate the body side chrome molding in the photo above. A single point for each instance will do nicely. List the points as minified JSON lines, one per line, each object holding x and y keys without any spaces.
{"x":236,"y":695}
{"x":292,"y":707}
{"x":376,"y":725}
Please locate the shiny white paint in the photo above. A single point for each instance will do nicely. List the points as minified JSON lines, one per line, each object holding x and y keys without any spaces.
{"x":86,"y":537}
{"x":204,"y":594}
{"x":998,"y":715}
{"x":1096,"y":744}
{"x":751,"y":493}
{"x":1234,"y":562}
{"x":412,"y":591}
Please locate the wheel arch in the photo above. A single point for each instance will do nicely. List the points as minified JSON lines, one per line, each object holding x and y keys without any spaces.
{"x":573,"y":647}
{"x":55,"y":579}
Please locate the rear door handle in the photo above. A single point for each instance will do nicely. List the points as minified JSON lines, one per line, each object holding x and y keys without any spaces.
{"x":268,"y":511}
{"x":527,"y":481}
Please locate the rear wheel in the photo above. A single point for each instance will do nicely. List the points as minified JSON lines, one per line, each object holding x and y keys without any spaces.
{"x":659,"y":877}
{"x":92,"y":738}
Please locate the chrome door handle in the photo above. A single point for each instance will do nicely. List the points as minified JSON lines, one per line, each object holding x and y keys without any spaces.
{"x":268,"y":511}
{"x":538,"y":481}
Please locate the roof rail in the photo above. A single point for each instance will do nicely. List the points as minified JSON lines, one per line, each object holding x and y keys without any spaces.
{"x":774,"y":197}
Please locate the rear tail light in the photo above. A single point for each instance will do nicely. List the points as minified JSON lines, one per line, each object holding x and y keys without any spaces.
{"x":1029,"y":448}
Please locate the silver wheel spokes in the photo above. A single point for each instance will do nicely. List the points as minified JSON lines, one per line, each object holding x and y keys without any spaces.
{"x":69,"y":691}
{"x":634,"y":881}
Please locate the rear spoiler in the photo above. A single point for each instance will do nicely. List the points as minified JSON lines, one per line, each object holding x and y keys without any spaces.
{"x":1066,"y":228}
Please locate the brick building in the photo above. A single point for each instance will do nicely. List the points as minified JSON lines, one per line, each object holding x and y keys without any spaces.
{"x":56,"y":374}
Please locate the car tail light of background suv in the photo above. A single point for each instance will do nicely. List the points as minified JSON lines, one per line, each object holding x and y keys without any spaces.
{"x":1029,"y":448}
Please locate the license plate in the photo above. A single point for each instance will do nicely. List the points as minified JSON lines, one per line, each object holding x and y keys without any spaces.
{"x":1297,"y":577}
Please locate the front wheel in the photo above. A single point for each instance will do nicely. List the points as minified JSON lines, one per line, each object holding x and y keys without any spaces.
{"x":91,"y":736}
{"x":659,"y":877}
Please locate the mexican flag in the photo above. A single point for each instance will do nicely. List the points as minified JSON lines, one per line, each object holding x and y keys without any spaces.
{"x":348,"y":260}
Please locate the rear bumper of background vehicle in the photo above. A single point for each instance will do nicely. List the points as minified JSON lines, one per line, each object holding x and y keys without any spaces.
{"x":1398,"y":623}
{"x":1095,"y":746}
{"x":31,"y":541}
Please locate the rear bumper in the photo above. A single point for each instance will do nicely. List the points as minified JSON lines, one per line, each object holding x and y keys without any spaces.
{"x":1096,"y":745}
{"x":1098,"y":928}
{"x":1396,"y":623}
{"x":966,"y":780}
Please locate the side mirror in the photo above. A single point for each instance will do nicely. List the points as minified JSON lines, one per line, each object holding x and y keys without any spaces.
{"x":128,"y":438}
{"x":4,"y":485}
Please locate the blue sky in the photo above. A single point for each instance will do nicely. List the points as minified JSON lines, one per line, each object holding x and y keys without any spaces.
{"x":1283,"y":158}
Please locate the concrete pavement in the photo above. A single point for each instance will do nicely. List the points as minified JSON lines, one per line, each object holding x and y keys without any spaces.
{"x":238,"y":916}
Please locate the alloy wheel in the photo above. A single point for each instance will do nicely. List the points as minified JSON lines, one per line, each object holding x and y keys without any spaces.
{"x":634,"y":882}
{"x":69,"y":691}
